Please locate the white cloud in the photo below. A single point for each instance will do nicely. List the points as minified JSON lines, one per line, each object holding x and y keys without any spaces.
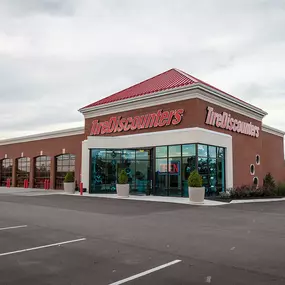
{"x":57,"y":55}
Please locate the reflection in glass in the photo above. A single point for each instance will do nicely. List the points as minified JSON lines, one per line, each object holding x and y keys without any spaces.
{"x":221,"y":152}
{"x":105,"y":170}
{"x":174,"y":176}
{"x":172,"y":167}
{"x":161,"y":151}
{"x":174,"y":150}
{"x":42,"y":170}
{"x":143,"y":154}
{"x":202,"y":150}
{"x":161,"y":174}
{"x":128,"y":154}
{"x":113,"y":154}
{"x":64,"y":163}
{"x":203,"y":165}
{"x":189,"y":150}
{"x":220,"y":174}
{"x":189,"y":165}
{"x":23,"y":171}
{"x":212,"y":151}
{"x":6,"y":170}
{"x":161,"y":165}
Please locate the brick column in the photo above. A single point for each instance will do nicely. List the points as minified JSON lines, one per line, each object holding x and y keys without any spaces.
{"x":14,"y":172}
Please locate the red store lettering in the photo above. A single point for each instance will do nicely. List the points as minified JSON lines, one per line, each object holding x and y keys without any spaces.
{"x":153,"y":120}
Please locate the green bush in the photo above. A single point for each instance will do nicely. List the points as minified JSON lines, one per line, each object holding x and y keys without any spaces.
{"x":224,"y":195}
{"x":251,"y":191}
{"x":268,"y":182}
{"x":123,"y":177}
{"x":69,"y":177}
{"x":280,"y":191}
{"x":195,"y":179}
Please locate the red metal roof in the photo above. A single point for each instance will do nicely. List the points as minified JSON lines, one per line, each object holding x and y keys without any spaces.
{"x":170,"y":79}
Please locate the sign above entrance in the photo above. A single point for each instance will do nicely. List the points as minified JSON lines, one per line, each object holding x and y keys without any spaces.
{"x":225,"y":121}
{"x":147,"y":121}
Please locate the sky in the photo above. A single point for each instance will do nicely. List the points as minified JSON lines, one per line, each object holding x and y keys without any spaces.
{"x":57,"y":56}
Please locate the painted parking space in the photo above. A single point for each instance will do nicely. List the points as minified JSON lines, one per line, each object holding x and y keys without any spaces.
{"x":198,"y":272}
{"x":18,"y":239}
{"x":8,"y":228}
{"x":126,"y":239}
{"x":87,"y":262}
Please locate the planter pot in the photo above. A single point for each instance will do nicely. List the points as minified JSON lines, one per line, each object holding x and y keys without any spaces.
{"x":123,"y":190}
{"x":196,"y":194}
{"x":69,"y":187}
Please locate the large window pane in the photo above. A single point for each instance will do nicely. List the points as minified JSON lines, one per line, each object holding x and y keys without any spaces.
{"x":128,"y":154}
{"x":221,"y":174}
{"x":174,"y":176}
{"x":113,"y":154}
{"x":172,"y":167}
{"x":203,"y":165}
{"x":189,"y":150}
{"x":174,"y":151}
{"x":143,"y":154}
{"x":221,"y":152}
{"x":188,"y":165}
{"x":161,"y":174}
{"x":6,"y":170}
{"x":161,"y":165}
{"x":212,"y":151}
{"x":42,"y":170}
{"x":105,"y":170}
{"x":143,"y":176}
{"x":161,"y":151}
{"x":23,"y":171}
{"x":202,"y":150}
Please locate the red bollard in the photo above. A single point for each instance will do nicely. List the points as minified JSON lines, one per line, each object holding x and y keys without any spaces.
{"x":48,"y":184}
{"x":8,"y":183}
{"x":81,"y":188}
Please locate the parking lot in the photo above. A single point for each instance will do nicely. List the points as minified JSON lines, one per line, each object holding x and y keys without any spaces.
{"x":58,"y":239}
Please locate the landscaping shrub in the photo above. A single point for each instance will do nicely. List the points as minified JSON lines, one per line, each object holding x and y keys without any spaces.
{"x":195,"y":179}
{"x":69,"y":177}
{"x":251,"y":191}
{"x":123,"y":177}
{"x":280,"y":191}
{"x":268,"y":182}
{"x":225,"y":195}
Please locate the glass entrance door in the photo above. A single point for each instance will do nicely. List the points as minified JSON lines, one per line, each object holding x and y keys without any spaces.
{"x":143,"y":171}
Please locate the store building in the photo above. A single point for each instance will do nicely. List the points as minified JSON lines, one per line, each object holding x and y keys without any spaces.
{"x":159,"y":131}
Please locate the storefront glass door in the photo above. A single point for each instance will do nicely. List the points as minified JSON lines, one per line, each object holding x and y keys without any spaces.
{"x":174,"y":163}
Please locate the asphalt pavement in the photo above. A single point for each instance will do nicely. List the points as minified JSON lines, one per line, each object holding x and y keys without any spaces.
{"x":58,"y":239}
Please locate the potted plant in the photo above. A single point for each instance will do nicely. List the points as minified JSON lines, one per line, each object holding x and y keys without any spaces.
{"x":195,"y":187}
{"x":69,"y":185}
{"x":123,"y":187}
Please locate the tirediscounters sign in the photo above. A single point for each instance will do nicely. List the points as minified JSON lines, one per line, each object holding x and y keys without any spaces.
{"x":225,"y":121}
{"x":152,"y":120}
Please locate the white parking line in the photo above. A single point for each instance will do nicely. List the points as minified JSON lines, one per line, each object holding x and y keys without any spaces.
{"x":11,"y":228}
{"x":146,"y":272}
{"x":41,"y":247}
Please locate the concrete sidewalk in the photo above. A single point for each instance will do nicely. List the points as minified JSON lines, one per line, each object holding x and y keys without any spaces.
{"x":28,"y":191}
{"x":176,"y":200}
{"x":162,"y":199}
